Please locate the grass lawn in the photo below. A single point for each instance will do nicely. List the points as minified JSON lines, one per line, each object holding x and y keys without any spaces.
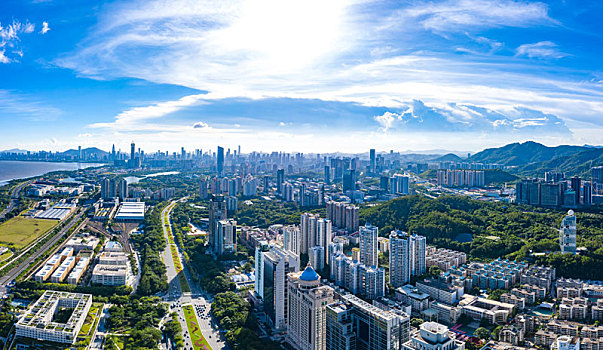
{"x":91,"y":320}
{"x":20,"y":231}
{"x":6,"y":255}
{"x":199,"y":342}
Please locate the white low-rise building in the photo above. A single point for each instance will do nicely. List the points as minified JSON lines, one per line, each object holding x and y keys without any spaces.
{"x":39,"y":321}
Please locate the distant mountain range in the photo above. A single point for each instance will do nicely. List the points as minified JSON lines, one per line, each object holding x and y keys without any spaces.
{"x":533,"y":159}
{"x":86,"y":152}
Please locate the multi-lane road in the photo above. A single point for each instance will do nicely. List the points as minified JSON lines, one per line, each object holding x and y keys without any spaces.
{"x":14,"y":198}
{"x":14,"y":272}
{"x":175,"y":298}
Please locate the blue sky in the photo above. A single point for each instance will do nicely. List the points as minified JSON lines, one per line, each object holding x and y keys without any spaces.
{"x":310,"y":76}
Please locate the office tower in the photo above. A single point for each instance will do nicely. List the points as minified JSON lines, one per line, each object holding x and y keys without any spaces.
{"x":220,"y":160}
{"x":203,"y":190}
{"x":113,"y":152}
{"x":368,"y":245}
{"x":597,"y":174}
{"x":316,"y":256}
{"x":339,"y":328}
{"x":433,"y":336}
{"x":259,"y":267}
{"x":327,"y":174}
{"x":307,"y":310}
{"x":132,"y":151}
{"x":576,"y":184}
{"x":372,"y":328}
{"x":226,"y":237}
{"x":217,"y":212}
{"x":277,"y":263}
{"x":372,"y":161}
{"x":79,"y":153}
{"x":280,"y":180}
{"x":108,"y":188}
{"x":266,"y":184}
{"x":123,"y":189}
{"x":567,"y":233}
{"x":349,"y":180}
{"x":587,"y":193}
{"x":407,"y":257}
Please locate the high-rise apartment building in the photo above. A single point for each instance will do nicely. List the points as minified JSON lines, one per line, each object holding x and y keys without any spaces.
{"x":123,"y":189}
{"x":368,"y":245}
{"x":316,"y":256}
{"x":226,"y":238}
{"x":307,"y":310}
{"x":260,"y":249}
{"x":406,"y":256}
{"x":567,"y":233}
{"x":108,"y":188}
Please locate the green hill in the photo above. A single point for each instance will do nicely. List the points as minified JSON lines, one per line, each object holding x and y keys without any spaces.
{"x":498,"y":177}
{"x":450,"y":157}
{"x":575,"y":164}
{"x":517,"y":154}
{"x":520,"y":231}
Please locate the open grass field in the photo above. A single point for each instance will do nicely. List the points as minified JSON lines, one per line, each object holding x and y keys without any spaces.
{"x":20,"y":231}
{"x":199,"y":342}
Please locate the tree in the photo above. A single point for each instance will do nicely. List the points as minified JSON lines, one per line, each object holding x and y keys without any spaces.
{"x":495,"y":294}
{"x":416,"y":322}
{"x":482,"y":333}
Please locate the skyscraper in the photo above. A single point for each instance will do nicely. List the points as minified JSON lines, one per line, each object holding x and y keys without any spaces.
{"x":220,"y":160}
{"x":226,"y":237}
{"x":407,"y":257}
{"x":217,"y":212}
{"x":280,"y":180}
{"x":597,"y":174}
{"x":123,"y":189}
{"x":132,"y":152}
{"x":108,"y":188}
{"x":567,"y":233}
{"x":307,"y":310}
{"x":327,"y":174}
{"x":368,"y":245}
{"x":259,"y":267}
{"x":308,"y":227}
{"x":316,"y":257}
{"x":372,"y":161}
{"x":365,"y":326}
{"x":277,"y":263}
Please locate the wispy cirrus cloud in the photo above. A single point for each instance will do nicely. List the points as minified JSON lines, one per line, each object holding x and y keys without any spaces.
{"x":463,"y":15}
{"x":542,"y":49}
{"x":10,"y":50}
{"x":28,"y":107}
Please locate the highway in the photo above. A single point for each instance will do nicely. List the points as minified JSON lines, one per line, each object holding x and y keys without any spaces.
{"x":197,"y":298}
{"x":14,"y":198}
{"x":12,"y":274}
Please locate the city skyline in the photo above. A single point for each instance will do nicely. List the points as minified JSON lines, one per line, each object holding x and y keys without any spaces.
{"x":459,"y":76}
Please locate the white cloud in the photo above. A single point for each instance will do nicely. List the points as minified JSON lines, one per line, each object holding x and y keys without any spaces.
{"x":10,"y":38}
{"x":322,"y":50}
{"x":386,"y":120}
{"x":138,"y":115}
{"x":543,"y":49}
{"x":45,"y":28}
{"x":461,"y":15}
{"x":3,"y":58}
{"x":200,"y":125}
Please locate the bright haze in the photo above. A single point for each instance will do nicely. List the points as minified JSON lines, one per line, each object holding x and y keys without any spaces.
{"x":309,"y":76}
